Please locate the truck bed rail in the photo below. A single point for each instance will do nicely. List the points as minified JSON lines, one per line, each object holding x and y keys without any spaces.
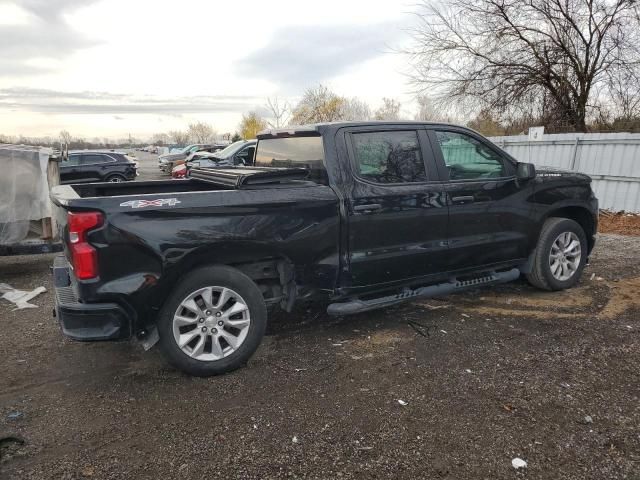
{"x":250,"y":176}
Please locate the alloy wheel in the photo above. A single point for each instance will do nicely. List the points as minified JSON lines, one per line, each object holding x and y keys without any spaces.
{"x":565,"y":255}
{"x":211,"y":323}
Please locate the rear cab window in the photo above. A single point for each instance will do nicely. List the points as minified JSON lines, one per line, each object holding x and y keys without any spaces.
{"x":294,"y":152}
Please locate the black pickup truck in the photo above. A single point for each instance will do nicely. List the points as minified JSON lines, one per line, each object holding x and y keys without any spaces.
{"x":356,"y":215}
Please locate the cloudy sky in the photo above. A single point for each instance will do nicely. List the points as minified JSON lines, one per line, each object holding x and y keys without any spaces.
{"x":113,"y":67}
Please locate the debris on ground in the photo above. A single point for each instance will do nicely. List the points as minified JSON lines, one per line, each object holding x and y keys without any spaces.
{"x":402,"y":402}
{"x":588,"y":419}
{"x":518,"y":463}
{"x":15,"y":415}
{"x":9,"y":444}
{"x":87,"y":472}
{"x":294,"y":439}
{"x":421,"y":328}
{"x":434,"y":307}
{"x":621,"y":223}
{"x":20,"y":297}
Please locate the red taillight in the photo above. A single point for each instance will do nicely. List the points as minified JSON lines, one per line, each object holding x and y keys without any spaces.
{"x":84,"y":258}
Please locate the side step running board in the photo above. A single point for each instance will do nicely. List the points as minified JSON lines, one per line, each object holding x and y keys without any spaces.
{"x":441,"y":289}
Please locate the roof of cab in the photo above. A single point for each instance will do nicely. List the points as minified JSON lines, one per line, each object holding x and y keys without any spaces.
{"x":105,"y":151}
{"x":321,"y":128}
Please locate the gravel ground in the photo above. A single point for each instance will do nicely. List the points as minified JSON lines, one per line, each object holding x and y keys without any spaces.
{"x":148,"y":167}
{"x":496,"y":374}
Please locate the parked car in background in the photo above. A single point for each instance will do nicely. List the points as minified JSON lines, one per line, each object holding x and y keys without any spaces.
{"x":240,"y":153}
{"x":179,"y":171}
{"x":97,"y":166}
{"x":166,"y":162}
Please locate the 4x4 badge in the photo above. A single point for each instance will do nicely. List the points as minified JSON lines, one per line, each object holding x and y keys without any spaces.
{"x":150,"y":203}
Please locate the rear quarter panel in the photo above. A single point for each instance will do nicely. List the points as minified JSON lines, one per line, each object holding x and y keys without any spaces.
{"x":143,"y":251}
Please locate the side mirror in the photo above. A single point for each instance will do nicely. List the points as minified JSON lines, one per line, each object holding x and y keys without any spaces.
{"x":525,"y":171}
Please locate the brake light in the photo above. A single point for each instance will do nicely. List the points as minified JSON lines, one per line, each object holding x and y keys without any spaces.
{"x":84,"y":257}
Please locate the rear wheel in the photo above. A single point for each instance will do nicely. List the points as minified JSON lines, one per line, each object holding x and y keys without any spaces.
{"x":115,"y":178}
{"x":560,"y":255}
{"x":212,"y":322}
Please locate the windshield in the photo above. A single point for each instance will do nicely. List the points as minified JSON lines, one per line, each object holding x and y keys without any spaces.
{"x":301,"y":152}
{"x":231,"y":149}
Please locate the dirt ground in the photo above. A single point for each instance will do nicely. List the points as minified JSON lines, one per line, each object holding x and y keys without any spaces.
{"x":486,"y":376}
{"x":621,"y":223}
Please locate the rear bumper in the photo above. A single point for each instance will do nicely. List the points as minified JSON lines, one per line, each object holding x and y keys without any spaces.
{"x":86,"y":321}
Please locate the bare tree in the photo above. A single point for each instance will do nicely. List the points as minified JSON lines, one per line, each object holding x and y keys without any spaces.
{"x":65,"y":138}
{"x":179,"y":136}
{"x":389,"y":110}
{"x":555,"y":55}
{"x":624,"y":89}
{"x":318,"y":104}
{"x":428,"y":111}
{"x":280,"y":111}
{"x":159,"y":138}
{"x":356,"y":110}
{"x":7,"y":139}
{"x":201,"y":132}
{"x":486,"y":124}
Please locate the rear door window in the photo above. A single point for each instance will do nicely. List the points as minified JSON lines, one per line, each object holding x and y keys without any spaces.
{"x":389,"y":157}
{"x":92,"y":159}
{"x":72,"y":161}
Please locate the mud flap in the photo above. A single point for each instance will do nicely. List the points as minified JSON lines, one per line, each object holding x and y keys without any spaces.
{"x":149,"y":339}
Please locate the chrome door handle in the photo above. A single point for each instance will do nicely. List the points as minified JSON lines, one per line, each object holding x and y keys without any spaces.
{"x":366,"y":208}
{"x":462,"y":199}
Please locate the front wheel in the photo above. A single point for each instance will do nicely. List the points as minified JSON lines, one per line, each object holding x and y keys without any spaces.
{"x":560,"y":255}
{"x":212,"y":322}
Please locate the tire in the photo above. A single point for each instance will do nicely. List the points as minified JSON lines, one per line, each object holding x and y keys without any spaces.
{"x":206,"y":359}
{"x":561,"y":230}
{"x":115,"y":178}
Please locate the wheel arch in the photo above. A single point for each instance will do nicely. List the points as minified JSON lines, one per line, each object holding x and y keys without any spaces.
{"x":271,"y":270}
{"x":582,"y":216}
{"x":111,"y":175}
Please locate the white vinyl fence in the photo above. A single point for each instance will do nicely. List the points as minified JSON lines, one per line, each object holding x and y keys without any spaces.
{"x":611,"y":159}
